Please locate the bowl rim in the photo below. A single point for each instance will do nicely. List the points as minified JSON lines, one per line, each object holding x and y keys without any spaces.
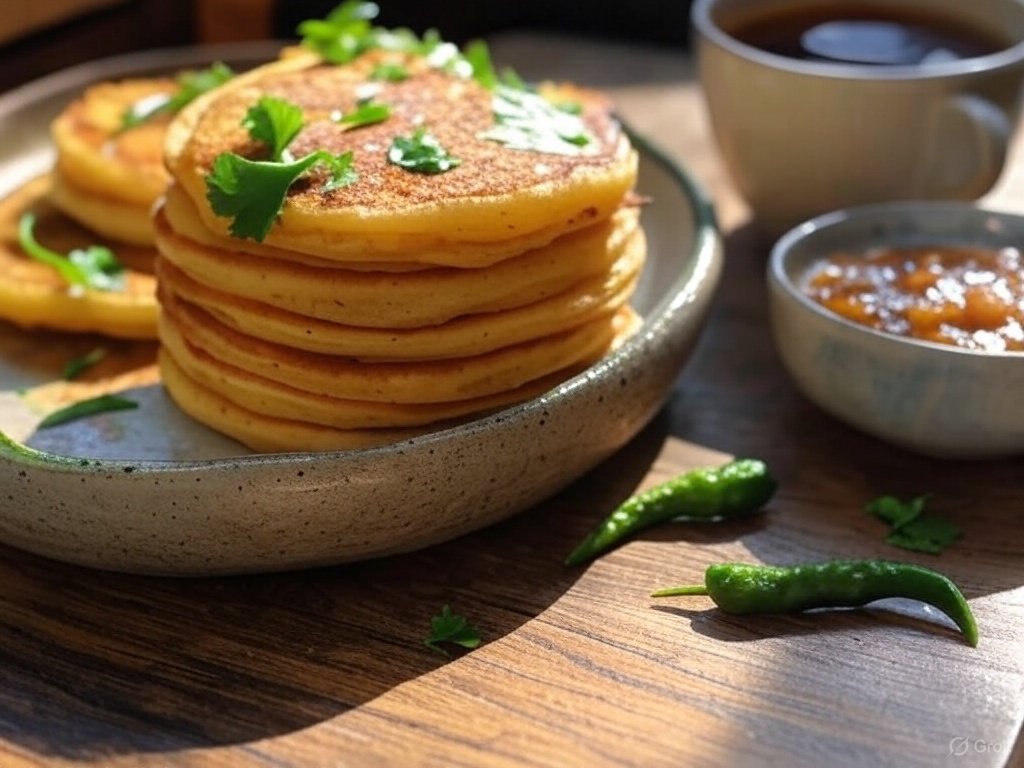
{"x":700,"y":16}
{"x":782,"y":250}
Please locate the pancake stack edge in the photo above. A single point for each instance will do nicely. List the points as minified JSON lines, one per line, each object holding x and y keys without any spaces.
{"x":404,"y":302}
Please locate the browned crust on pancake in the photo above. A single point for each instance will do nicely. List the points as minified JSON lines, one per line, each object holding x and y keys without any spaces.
{"x":455,"y":110}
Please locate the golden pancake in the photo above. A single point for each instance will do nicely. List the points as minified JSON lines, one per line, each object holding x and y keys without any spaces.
{"x":33,"y":294}
{"x":380,"y":252}
{"x":106,"y":216}
{"x":404,"y":300}
{"x":464,"y":336}
{"x":95,"y":157}
{"x":272,"y":398}
{"x":401,"y":382}
{"x":265,"y":433}
{"x":496,"y":194}
{"x":261,"y":432}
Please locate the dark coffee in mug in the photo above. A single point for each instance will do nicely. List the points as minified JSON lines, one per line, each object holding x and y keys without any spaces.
{"x":865,"y":33}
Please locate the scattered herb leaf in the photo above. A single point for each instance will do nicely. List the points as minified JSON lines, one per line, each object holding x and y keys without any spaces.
{"x":346,"y":32}
{"x":511,"y":78}
{"x":275,"y":122}
{"x":421,"y":153}
{"x":79,"y":365}
{"x":342,"y":173}
{"x":896,"y":513}
{"x":392,"y":72}
{"x":84,"y":408}
{"x":527,"y":121}
{"x":191,"y":84}
{"x":569,"y":107}
{"x":479,"y":57}
{"x":927,"y":533}
{"x":94,"y":267}
{"x":448,"y":627}
{"x":367,"y":113}
{"x":910,"y":527}
{"x":251,"y":192}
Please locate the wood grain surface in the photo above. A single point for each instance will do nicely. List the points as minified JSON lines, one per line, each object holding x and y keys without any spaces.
{"x":579,"y":667}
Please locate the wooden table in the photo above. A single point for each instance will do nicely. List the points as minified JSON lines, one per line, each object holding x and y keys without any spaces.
{"x":579,"y":667}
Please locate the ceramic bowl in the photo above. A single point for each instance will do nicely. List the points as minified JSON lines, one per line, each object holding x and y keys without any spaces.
{"x":932,"y":398}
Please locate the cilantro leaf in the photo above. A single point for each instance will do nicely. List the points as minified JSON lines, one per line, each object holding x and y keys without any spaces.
{"x":94,"y":267}
{"x":527,"y":121}
{"x":345,"y":33}
{"x":511,"y":78}
{"x":367,"y":113}
{"x":145,"y":109}
{"x":252,"y":192}
{"x":910,"y":527}
{"x":897,"y":513}
{"x":421,"y":153}
{"x":84,"y":408}
{"x":927,"y":533}
{"x":78,"y":365}
{"x":390,"y":71}
{"x":479,"y":57}
{"x":340,"y":167}
{"x":448,"y":627}
{"x":191,"y":84}
{"x":275,"y":122}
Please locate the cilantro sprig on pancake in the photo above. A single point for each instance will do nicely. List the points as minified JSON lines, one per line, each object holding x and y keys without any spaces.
{"x":191,"y":84}
{"x":252,"y":192}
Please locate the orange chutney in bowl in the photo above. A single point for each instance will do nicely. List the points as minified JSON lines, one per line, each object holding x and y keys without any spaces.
{"x":970,"y":297}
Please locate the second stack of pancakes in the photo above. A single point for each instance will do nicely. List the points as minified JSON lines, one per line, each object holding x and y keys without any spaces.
{"x":403,"y":302}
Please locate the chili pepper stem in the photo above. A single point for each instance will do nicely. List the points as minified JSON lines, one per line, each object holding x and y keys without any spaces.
{"x":682,"y":589}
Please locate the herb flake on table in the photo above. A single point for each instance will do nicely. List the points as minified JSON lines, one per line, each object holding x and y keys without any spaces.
{"x":910,"y":527}
{"x":191,"y":84}
{"x":448,"y":627}
{"x":252,"y":192}
{"x":85,"y":408}
{"x":95,"y":267}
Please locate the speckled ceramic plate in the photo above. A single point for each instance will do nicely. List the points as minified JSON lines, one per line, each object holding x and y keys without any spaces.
{"x":151,"y":491}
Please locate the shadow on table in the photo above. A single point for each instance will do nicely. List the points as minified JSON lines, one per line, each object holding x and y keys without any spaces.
{"x":100,"y":663}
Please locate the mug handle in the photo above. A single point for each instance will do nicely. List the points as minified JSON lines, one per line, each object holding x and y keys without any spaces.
{"x":975,"y":137}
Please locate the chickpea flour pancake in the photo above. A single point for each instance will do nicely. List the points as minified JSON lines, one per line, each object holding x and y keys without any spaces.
{"x":260,"y":417}
{"x":469,"y":334}
{"x":108,"y":178}
{"x":495,"y":196}
{"x":411,"y":299}
{"x":34,"y":295}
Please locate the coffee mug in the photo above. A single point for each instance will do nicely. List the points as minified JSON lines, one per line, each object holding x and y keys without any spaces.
{"x":801,"y":137}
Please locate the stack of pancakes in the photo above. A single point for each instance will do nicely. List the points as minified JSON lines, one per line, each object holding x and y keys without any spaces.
{"x":101,"y":192}
{"x":402,"y":302}
{"x":108,"y":178}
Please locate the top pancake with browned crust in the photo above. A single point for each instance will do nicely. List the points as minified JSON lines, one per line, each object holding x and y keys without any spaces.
{"x":495,"y":193}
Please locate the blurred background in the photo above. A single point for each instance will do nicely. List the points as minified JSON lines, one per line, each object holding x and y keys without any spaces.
{"x":41,"y":36}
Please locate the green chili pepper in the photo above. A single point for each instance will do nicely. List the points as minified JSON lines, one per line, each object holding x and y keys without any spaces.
{"x":738,"y":488}
{"x":743,"y":589}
